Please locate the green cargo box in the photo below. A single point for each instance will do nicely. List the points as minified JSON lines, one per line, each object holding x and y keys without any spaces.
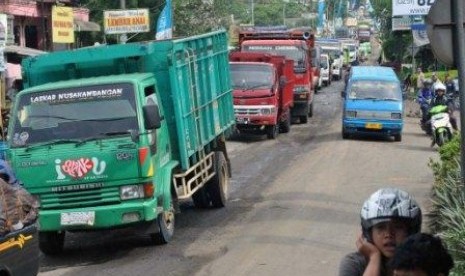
{"x":192,"y":76}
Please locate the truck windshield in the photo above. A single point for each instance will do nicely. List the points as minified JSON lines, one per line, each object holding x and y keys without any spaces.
{"x":73,"y":114}
{"x":375,"y":90}
{"x":249,"y":76}
{"x":297,"y":54}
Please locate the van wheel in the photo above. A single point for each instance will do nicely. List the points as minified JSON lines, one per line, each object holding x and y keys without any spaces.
{"x":303,"y":119}
{"x":217,"y":187}
{"x":398,"y":137}
{"x":345,"y":135}
{"x":51,"y":243}
{"x":165,"y":223}
{"x":310,"y":110}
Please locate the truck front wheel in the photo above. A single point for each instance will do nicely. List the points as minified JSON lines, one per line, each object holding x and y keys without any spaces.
{"x":51,"y":243}
{"x":272,"y":131}
{"x":165,"y":223}
{"x":286,"y":124}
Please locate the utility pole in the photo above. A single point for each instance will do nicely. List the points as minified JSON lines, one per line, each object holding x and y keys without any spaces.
{"x":123,"y":37}
{"x":253,"y":19}
{"x":458,"y":17}
{"x":44,"y":27}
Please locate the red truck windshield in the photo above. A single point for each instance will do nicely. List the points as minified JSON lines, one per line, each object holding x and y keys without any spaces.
{"x":250,"y":76}
{"x":74,"y":113}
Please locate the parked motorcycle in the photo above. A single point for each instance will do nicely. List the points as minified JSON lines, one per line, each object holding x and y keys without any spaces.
{"x":441,"y":127}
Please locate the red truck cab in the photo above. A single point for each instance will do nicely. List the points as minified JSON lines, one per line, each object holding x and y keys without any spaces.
{"x":263,"y":92}
{"x":293,"y":44}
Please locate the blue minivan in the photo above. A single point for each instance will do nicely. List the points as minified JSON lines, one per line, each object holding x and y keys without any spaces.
{"x":372,"y":102}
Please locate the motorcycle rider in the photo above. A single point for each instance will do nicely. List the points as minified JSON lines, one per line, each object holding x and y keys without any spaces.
{"x":425,"y":95}
{"x":388,"y":217}
{"x":440,"y":98}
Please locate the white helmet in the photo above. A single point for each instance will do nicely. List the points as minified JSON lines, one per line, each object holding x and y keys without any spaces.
{"x":439,"y":86}
{"x":388,"y":203}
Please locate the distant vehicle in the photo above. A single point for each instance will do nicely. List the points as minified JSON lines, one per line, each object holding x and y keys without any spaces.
{"x":334,"y":49}
{"x":326,"y":72}
{"x":373,"y":103}
{"x":263,"y":92}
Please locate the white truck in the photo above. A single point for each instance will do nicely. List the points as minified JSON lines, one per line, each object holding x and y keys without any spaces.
{"x":333,"y":48}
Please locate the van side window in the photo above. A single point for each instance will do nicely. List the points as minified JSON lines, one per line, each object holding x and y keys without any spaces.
{"x":149,"y":90}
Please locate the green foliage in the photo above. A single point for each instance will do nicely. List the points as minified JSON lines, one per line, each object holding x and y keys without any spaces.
{"x":447,"y":214}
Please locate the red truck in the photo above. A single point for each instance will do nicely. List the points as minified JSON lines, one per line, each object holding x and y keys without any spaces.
{"x":293,"y":44}
{"x":263,"y":92}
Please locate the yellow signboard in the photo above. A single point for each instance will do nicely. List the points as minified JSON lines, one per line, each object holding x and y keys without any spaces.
{"x":62,"y":25}
{"x":126,"y":21}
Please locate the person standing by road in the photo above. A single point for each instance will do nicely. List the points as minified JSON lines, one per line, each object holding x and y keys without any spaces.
{"x":388,"y":217}
{"x":420,"y":79}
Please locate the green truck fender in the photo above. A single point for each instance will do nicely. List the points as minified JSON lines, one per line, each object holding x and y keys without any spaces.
{"x":167,"y":190}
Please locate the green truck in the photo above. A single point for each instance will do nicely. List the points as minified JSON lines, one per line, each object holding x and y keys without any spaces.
{"x":115,"y":136}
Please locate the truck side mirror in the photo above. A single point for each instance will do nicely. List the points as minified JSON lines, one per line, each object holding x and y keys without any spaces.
{"x":343,"y":94}
{"x":282,"y":81}
{"x":152,"y":118}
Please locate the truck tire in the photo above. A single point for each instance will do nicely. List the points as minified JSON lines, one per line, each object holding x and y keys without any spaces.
{"x":51,"y":243}
{"x":201,"y":198}
{"x":272,"y":131}
{"x":217,"y":187}
{"x":165,"y":222}
{"x":286,"y":125}
{"x":310,"y":110}
{"x":303,"y":119}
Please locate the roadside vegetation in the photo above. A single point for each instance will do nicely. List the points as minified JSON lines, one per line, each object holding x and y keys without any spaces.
{"x":447,"y":214}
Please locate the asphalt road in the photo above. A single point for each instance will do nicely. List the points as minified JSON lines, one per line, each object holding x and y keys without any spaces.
{"x":293,"y":210}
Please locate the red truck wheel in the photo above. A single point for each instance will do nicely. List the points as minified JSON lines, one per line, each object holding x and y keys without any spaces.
{"x":286,"y":124}
{"x":272,"y":131}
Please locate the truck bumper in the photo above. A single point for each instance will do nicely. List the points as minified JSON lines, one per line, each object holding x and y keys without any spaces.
{"x":110,"y":216}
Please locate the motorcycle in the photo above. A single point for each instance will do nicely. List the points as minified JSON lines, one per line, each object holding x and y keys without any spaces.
{"x":441,"y":127}
{"x":424,"y":122}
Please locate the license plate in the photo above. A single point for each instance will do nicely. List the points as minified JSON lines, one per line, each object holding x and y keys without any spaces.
{"x":78,"y":218}
{"x":242,"y":120}
{"x":373,"y":126}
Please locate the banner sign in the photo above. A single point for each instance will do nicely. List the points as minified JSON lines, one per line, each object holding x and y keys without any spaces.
{"x":411,"y":7}
{"x":62,"y":25}
{"x":3,"y":36}
{"x":420,"y":36}
{"x":126,"y":21}
{"x":164,"y":24}
{"x":401,"y":23}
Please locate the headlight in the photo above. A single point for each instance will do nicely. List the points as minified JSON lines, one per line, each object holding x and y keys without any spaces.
{"x":396,"y":116}
{"x":131,"y":192}
{"x":300,"y":89}
{"x":351,"y":114}
{"x":267,"y":111}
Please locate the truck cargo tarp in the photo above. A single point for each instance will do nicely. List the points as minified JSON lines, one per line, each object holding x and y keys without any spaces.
{"x":86,"y":26}
{"x":23,"y":51}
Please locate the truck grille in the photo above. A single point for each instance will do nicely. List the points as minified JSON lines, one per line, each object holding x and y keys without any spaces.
{"x":77,"y":199}
{"x":246,"y":111}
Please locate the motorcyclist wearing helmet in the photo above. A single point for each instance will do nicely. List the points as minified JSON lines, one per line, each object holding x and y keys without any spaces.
{"x":425,"y":95}
{"x":441,"y":98}
{"x":388,"y":217}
